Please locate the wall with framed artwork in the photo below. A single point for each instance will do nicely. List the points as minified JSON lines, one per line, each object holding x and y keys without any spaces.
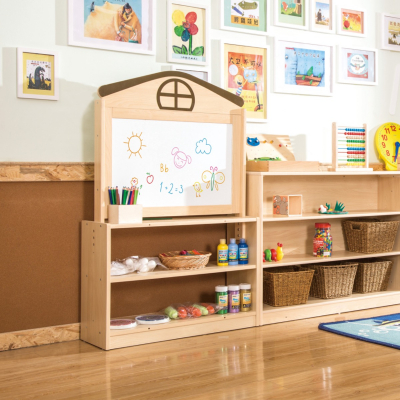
{"x":322,"y":17}
{"x":352,"y":21}
{"x":291,"y":14}
{"x":390,"y":32}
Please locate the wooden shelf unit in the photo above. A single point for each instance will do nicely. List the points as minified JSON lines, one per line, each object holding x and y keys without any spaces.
{"x":367,"y":194}
{"x":97,"y":284}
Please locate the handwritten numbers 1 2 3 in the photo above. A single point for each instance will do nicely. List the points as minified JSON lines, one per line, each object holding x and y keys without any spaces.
{"x":170,"y":188}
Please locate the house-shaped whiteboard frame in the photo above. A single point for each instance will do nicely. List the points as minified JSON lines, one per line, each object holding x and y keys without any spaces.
{"x":138,"y":99}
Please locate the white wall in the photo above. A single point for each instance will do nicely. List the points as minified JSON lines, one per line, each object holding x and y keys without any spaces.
{"x":38,"y":130}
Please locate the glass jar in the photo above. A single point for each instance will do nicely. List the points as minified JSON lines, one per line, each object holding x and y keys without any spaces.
{"x":322,"y":243}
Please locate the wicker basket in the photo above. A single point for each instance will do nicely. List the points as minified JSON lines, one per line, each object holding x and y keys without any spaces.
{"x":173,"y":260}
{"x":370,"y":236}
{"x":372,"y":276}
{"x":287,"y":286}
{"x":332,"y":281}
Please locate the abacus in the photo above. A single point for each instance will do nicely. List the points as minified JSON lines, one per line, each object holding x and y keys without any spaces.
{"x":349,"y":148}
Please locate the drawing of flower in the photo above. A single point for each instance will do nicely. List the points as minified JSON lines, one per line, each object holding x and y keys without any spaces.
{"x":185,"y":28}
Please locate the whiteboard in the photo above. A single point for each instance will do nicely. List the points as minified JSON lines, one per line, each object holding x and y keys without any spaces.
{"x":173,"y":163}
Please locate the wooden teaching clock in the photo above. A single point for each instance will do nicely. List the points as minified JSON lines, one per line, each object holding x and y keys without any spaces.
{"x":387,"y":142}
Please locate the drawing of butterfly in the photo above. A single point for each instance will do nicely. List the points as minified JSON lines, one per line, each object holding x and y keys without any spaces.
{"x":213,"y":178}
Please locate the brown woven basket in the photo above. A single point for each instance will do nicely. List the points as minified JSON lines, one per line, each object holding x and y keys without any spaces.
{"x":332,"y":281}
{"x":370,"y":236}
{"x":372,"y":276}
{"x":286,"y":286}
{"x":175,"y":261}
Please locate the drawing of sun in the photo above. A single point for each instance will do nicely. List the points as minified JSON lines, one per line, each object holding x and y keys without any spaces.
{"x":135,"y":144}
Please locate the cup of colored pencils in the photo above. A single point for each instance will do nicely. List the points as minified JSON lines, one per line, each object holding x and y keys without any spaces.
{"x":117,"y":212}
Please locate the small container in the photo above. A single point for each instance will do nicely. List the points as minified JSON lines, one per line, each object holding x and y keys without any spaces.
{"x":322,"y":243}
{"x":221,"y":299}
{"x":233,"y":250}
{"x":243,"y":252}
{"x":245,"y":297}
{"x":234,"y":298}
{"x":222,"y":253}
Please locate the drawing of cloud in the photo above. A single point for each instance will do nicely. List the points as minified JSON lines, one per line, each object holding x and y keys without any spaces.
{"x":202,"y":147}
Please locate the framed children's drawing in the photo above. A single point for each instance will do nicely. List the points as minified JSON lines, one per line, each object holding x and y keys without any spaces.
{"x":322,"y":16}
{"x":244,"y":70}
{"x":120,"y":25}
{"x":351,"y":22}
{"x":390,"y":32}
{"x":244,"y":16}
{"x":37,"y":74}
{"x":201,"y":73}
{"x":358,"y":66}
{"x":188,"y":39}
{"x":291,"y":13}
{"x":303,"y":68}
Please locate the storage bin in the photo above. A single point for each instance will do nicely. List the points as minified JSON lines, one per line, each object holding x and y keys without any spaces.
{"x":372,"y":276}
{"x":332,"y":281}
{"x":173,"y":260}
{"x":286,"y":286}
{"x":370,"y":236}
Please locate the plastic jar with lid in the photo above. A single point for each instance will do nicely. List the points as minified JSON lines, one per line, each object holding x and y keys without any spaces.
{"x":245,"y":297}
{"x":234,"y":298}
{"x":221,"y":299}
{"x":322,"y":243}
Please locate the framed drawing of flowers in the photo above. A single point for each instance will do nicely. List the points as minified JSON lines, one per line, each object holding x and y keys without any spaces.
{"x":244,"y":16}
{"x":322,"y":16}
{"x":351,"y":22}
{"x":37,"y":74}
{"x":120,"y":25}
{"x":303,"y":68}
{"x":188,"y":39}
{"x":291,"y":13}
{"x":244,"y":73}
{"x":390,"y":32}
{"x":358,"y":66}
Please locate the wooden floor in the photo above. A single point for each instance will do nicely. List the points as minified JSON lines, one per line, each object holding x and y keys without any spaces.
{"x":285,"y":361}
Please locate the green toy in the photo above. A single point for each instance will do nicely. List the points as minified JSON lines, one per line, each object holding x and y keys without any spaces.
{"x":339,"y":207}
{"x":268,"y":255}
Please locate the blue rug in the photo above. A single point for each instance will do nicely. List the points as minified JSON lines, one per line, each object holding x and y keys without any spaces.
{"x":383,"y":330}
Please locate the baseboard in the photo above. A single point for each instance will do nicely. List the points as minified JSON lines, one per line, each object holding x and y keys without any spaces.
{"x":38,"y":337}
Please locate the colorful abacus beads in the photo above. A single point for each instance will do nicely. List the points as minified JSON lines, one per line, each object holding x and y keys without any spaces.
{"x":351,"y":147}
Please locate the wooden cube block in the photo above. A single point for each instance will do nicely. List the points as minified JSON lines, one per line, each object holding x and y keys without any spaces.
{"x":290,"y":205}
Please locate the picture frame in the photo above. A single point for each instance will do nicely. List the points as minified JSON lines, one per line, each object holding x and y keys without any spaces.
{"x":201,"y":73}
{"x":238,"y":79}
{"x":288,"y":17}
{"x":37,"y":74}
{"x":187,"y":45}
{"x":136,"y":32}
{"x":230,"y":19}
{"x":322,"y":16}
{"x":351,"y":22}
{"x":387,"y":23}
{"x":358,"y":66}
{"x":316,"y":76}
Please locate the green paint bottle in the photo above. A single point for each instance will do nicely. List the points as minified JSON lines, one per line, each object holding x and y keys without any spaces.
{"x":221,"y":298}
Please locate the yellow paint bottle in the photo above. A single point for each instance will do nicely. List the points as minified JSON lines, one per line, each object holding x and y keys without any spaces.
{"x":222,"y":254}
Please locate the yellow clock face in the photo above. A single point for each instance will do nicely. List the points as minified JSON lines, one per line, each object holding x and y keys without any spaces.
{"x":387,"y":142}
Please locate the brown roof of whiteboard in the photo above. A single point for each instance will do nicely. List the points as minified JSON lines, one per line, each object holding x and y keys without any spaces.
{"x":106,"y":90}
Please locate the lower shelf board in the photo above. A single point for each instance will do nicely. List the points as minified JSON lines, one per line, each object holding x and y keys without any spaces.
{"x":338,"y":255}
{"x":318,"y":307}
{"x":177,"y":329}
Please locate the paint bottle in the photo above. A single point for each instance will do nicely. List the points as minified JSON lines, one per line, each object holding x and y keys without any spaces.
{"x":245,"y":297}
{"x":221,"y":299}
{"x":222,"y":251}
{"x":233,"y":251}
{"x":234,"y":298}
{"x":243,"y":252}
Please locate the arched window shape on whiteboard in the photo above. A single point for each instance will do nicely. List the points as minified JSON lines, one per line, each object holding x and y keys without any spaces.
{"x":175,"y":94}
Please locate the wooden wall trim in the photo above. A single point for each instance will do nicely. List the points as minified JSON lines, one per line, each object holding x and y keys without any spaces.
{"x":38,"y":337}
{"x":42,"y":172}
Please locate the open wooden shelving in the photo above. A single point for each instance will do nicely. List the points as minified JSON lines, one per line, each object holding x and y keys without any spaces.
{"x":373,"y":194}
{"x":97,"y":284}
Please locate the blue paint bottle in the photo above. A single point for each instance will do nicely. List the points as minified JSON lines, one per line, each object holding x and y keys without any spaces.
{"x":243,"y":252}
{"x":233,"y":251}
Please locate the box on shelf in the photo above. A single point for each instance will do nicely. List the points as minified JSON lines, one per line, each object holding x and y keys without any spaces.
{"x":290,"y":205}
{"x":125,"y":214}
